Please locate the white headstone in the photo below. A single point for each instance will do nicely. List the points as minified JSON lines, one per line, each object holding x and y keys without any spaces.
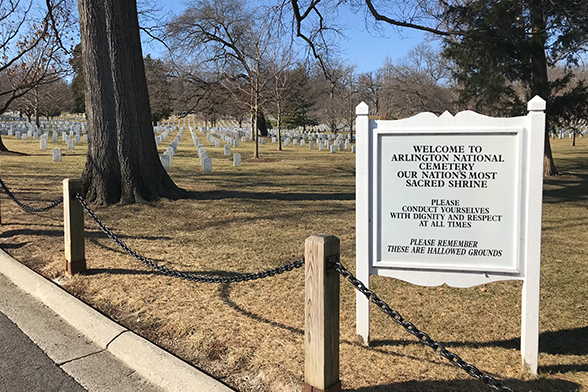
{"x":57,"y":155}
{"x":236,"y":159}
{"x":207,"y":165}
{"x":70,"y":144}
{"x":165,"y":161}
{"x":43,"y":144}
{"x":227,"y":150}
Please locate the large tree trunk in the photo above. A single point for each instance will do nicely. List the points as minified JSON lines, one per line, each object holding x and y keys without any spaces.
{"x":123,"y":163}
{"x":539,"y":78}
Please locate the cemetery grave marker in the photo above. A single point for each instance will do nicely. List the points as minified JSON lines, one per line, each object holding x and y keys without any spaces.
{"x":56,"y":154}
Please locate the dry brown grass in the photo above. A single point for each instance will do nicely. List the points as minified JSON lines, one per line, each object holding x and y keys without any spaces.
{"x":250,"y":335}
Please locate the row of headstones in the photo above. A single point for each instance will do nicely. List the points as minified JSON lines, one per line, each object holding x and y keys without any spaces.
{"x":313,"y":128}
{"x":164,"y":132}
{"x":170,"y":122}
{"x":562,"y":133}
{"x":231,"y":135}
{"x":205,"y":160}
{"x":45,"y":126}
{"x":227,"y":139}
{"x":222,"y":136}
{"x":308,"y":135}
{"x":36,"y":133}
{"x":70,"y":139}
{"x":332,"y":144}
{"x":168,"y":155}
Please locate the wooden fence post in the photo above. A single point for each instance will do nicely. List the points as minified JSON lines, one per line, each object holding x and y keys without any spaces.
{"x":321,"y":329}
{"x":73,"y":226}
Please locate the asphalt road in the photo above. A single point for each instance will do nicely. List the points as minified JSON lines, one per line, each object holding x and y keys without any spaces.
{"x":24,"y":367}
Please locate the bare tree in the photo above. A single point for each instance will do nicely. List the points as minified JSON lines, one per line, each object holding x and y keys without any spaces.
{"x":239,"y":42}
{"x":31,"y":47}
{"x":336,"y":93}
{"x":416,"y":84}
{"x":159,"y":77}
{"x":47,"y":100}
{"x":369,"y":85}
{"x":280,"y":92}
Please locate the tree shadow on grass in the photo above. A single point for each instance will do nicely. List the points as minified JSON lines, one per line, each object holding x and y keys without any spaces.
{"x":565,"y":188}
{"x":29,"y":224}
{"x":95,"y":234}
{"x":90,"y":234}
{"x":541,"y":385}
{"x":564,"y":342}
{"x":223,"y":194}
{"x":45,"y":233}
{"x":13,"y":246}
{"x":117,"y":271}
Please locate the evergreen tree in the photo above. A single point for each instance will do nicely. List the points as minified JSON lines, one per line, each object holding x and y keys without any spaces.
{"x":502,"y":51}
{"x":300,"y":100}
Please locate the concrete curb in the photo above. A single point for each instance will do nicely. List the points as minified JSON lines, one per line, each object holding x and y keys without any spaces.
{"x":147,"y":359}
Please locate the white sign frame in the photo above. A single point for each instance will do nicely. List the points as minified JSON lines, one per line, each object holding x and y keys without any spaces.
{"x":523,"y":231}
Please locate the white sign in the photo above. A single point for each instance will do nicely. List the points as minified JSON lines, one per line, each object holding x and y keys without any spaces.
{"x":449,"y":202}
{"x":454,"y":200}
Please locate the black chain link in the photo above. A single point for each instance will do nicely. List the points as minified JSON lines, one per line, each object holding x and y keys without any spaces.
{"x":186,"y":275}
{"x":26,"y":208}
{"x":413,"y":330}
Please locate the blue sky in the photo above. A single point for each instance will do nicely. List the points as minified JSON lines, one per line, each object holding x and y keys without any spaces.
{"x":362,"y":49}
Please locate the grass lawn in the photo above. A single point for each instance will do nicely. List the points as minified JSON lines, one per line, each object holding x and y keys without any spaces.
{"x":250,"y":218}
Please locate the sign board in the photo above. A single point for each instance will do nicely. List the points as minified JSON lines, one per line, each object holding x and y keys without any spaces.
{"x":454,"y":200}
{"x":448,"y":202}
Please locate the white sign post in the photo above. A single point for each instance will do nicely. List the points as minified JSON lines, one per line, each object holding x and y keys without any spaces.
{"x":455,"y":200}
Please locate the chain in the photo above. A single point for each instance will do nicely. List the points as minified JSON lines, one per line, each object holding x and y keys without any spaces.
{"x":186,"y":275}
{"x":454,"y":359}
{"x":26,"y":208}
